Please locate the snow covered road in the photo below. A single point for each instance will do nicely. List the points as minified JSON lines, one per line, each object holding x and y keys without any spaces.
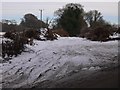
{"x":47,"y":60}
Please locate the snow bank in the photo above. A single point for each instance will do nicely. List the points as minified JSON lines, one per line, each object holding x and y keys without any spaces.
{"x":50,"y":59}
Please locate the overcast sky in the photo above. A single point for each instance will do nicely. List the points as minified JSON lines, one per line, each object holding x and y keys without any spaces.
{"x":16,"y":10}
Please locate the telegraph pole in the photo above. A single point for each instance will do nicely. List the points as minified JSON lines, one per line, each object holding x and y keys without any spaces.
{"x":41,"y":16}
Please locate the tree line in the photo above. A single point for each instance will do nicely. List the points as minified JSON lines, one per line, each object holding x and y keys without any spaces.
{"x":91,"y":25}
{"x":71,"y":20}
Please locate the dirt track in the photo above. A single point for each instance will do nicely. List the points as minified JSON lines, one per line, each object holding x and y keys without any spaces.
{"x":107,"y":78}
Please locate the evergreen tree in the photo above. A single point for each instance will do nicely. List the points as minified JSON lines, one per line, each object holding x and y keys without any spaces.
{"x":70,"y":18}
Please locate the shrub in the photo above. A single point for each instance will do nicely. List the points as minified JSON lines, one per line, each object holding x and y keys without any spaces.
{"x":118,"y":30}
{"x":9,"y":35}
{"x":102,"y":33}
{"x":61,"y":32}
{"x":10,"y":48}
{"x":97,"y":34}
{"x":31,"y":33}
{"x":15,"y":46}
{"x":50,"y":35}
{"x":85,"y":32}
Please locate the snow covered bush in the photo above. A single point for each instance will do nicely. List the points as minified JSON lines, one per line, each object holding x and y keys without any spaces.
{"x":19,"y":39}
{"x":14,"y":46}
{"x":10,"y":48}
{"x":42,"y":34}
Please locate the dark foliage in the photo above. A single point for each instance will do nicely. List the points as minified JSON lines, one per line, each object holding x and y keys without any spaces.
{"x":8,"y":27}
{"x":12,"y":48}
{"x":118,"y":30}
{"x":85,"y":32}
{"x":94,"y":18}
{"x":101,"y":34}
{"x":61,"y":32}
{"x":50,"y":35}
{"x":18,"y":40}
{"x":97,"y":34}
{"x":31,"y":21}
{"x":71,"y":19}
{"x":16,"y":46}
{"x":31,"y":33}
{"x":10,"y":35}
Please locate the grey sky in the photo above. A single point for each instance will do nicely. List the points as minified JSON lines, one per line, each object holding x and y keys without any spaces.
{"x":16,"y":10}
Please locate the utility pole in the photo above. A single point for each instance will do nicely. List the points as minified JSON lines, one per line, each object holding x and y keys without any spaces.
{"x":41,"y":16}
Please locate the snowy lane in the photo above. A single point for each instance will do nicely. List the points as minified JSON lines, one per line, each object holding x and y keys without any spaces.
{"x":55,"y":59}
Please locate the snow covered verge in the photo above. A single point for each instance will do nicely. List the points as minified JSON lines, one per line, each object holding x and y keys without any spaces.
{"x":54,"y":59}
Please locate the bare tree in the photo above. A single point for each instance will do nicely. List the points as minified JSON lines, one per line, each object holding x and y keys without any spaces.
{"x":93,"y":17}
